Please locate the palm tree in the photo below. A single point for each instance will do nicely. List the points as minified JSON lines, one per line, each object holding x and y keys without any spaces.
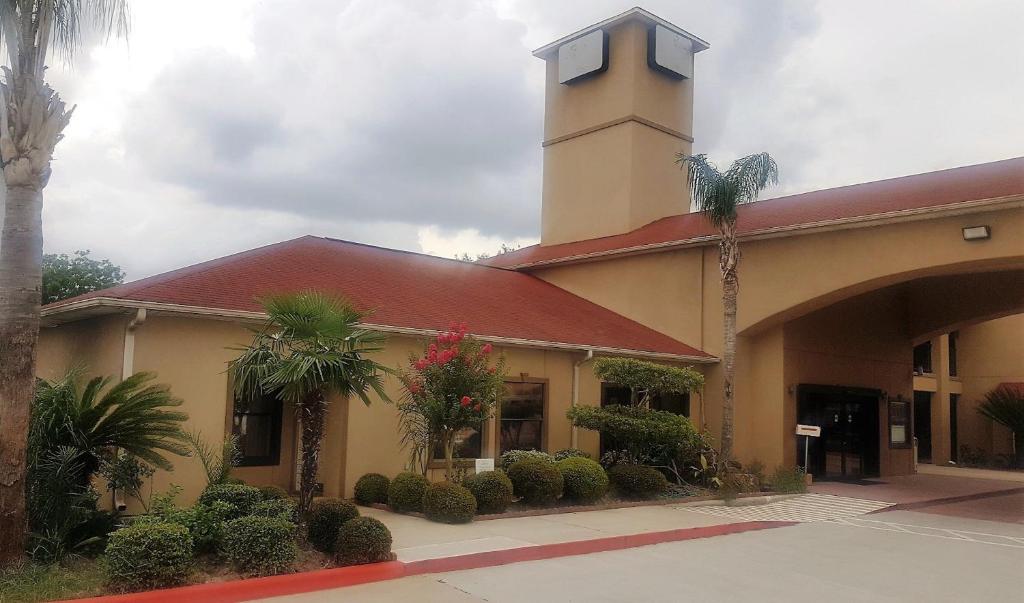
{"x":74,"y":430}
{"x":718,"y":195}
{"x":1005,"y":405}
{"x":310,"y":348}
{"x":32,"y":119}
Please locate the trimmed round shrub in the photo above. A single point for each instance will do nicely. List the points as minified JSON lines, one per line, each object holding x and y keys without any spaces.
{"x":204,"y":522}
{"x":448,"y":503}
{"x":637,"y":481}
{"x":243,"y":498}
{"x":372,"y":488}
{"x":326,"y":516}
{"x":585,"y":480}
{"x":537,"y":481}
{"x":406,"y":492}
{"x":568,"y":453}
{"x":285,"y":508}
{"x":514,"y":456}
{"x":491,"y":489}
{"x":273,"y":492}
{"x":363,"y":540}
{"x":148,"y":555}
{"x":260,"y":546}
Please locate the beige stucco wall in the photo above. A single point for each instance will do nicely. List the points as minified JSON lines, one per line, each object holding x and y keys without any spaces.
{"x":191,"y":355}
{"x":989,"y":353}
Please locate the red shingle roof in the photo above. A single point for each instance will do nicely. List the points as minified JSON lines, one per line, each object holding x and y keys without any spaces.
{"x":401,"y":289}
{"x":859,"y":201}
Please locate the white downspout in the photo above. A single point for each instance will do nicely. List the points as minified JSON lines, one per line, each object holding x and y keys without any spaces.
{"x":127,"y":369}
{"x":574,"y":438}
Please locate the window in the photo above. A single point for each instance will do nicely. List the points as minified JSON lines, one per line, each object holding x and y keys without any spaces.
{"x":923,"y":358}
{"x":468,"y":444}
{"x":257,"y":425}
{"x":899,"y":422}
{"x":953,"y":337}
{"x":521,"y":417}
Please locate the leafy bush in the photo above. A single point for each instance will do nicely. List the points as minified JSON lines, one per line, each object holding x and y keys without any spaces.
{"x":640,"y":431}
{"x":243,"y":498}
{"x":372,"y":488}
{"x":646,"y":379}
{"x":567,"y":453}
{"x":637,"y":481}
{"x":585,"y":480}
{"x":514,"y":456}
{"x":448,"y":503}
{"x":217,"y":462}
{"x":788,"y":480}
{"x":1004,"y":404}
{"x":204,"y":522}
{"x":537,"y":481}
{"x":284,"y":508}
{"x":273,"y":492}
{"x":363,"y":540}
{"x":406,"y":492}
{"x":734,"y":483}
{"x":260,"y":546}
{"x":145,"y":556}
{"x":326,"y":516}
{"x":491,"y":489}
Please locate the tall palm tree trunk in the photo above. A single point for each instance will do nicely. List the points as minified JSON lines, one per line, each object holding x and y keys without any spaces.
{"x":728,"y":259}
{"x":21,"y":257}
{"x":312,"y":422}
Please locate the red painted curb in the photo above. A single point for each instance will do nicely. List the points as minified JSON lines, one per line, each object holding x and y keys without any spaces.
{"x":236,"y":591}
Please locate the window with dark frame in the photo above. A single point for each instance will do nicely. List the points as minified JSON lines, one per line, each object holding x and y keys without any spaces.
{"x":257,"y":425}
{"x":923,"y":358}
{"x":521,"y":417}
{"x":953,"y":337}
{"x":899,"y":423}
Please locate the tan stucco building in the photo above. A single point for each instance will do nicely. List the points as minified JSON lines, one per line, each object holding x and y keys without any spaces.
{"x":837,"y":288}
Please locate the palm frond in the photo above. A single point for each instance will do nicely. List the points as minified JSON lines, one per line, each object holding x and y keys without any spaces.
{"x":751,"y":175}
{"x":718,"y":194}
{"x":1005,"y":405}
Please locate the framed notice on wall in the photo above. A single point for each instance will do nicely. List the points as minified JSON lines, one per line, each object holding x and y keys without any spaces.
{"x":899,"y":422}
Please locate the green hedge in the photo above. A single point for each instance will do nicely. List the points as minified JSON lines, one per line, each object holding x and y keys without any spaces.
{"x":204,"y":522}
{"x":243,"y":498}
{"x":406,"y":492}
{"x":585,"y":480}
{"x":260,"y":546}
{"x":148,"y":555}
{"x":514,"y":456}
{"x":491,"y":489}
{"x":363,"y":540}
{"x":567,"y":453}
{"x":536,"y":480}
{"x":326,"y":516}
{"x":448,"y":503}
{"x":273,"y":492}
{"x":372,"y":488}
{"x":637,"y":481}
{"x":285,"y":508}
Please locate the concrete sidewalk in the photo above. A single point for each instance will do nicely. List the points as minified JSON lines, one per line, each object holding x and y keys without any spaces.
{"x":415,"y":538}
{"x":928,"y":486}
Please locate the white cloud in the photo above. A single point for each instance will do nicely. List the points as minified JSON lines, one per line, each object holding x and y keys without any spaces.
{"x":417,"y":125}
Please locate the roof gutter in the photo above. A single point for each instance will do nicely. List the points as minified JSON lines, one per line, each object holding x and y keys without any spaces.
{"x":893,"y":217}
{"x":249,"y":316}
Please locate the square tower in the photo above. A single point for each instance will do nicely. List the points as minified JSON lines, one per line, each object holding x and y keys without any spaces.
{"x":618,"y":107}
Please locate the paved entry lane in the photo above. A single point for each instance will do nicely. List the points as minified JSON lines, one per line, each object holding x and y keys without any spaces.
{"x":816,"y":561}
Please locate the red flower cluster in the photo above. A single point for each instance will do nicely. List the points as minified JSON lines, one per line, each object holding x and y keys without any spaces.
{"x":467,"y":401}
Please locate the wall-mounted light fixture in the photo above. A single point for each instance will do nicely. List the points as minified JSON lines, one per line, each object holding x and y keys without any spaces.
{"x":977,"y":233}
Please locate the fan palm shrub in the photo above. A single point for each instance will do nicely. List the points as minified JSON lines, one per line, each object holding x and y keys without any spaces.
{"x":718,"y":194}
{"x":1004,"y":404}
{"x":32,"y":121}
{"x":74,"y":432}
{"x":310,"y":348}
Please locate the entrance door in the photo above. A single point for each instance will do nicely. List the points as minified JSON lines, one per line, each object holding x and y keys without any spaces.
{"x":923,"y":425}
{"x":848,"y":417}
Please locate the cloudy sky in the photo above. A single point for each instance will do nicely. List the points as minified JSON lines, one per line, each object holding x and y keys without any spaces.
{"x":220,"y":126}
